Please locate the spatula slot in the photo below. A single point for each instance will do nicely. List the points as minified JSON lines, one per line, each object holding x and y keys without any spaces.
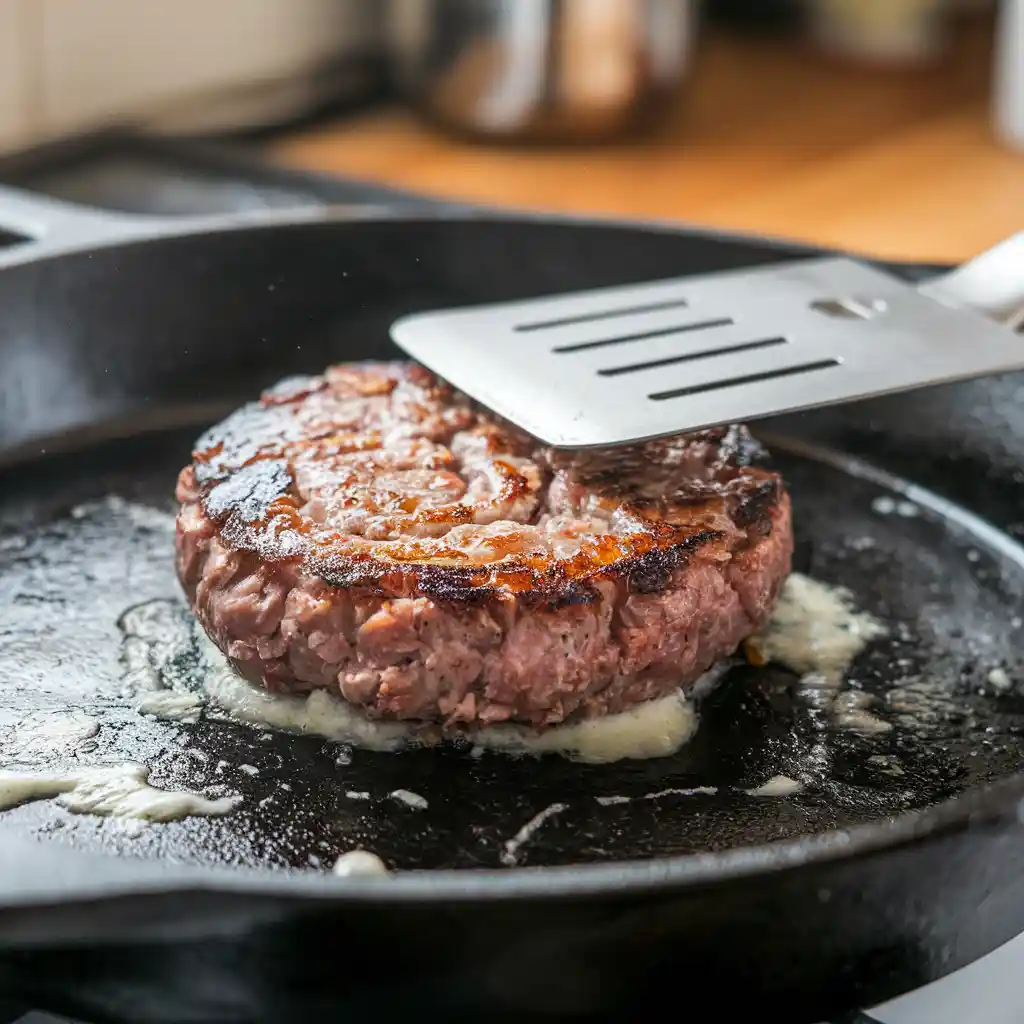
{"x":689,"y":357}
{"x":701,"y":325}
{"x":751,"y":378}
{"x":603,"y":314}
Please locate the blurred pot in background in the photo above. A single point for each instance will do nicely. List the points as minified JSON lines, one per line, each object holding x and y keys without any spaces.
{"x":544,"y":70}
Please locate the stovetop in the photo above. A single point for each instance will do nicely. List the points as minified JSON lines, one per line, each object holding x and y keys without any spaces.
{"x":131,"y":173}
{"x":134,"y":173}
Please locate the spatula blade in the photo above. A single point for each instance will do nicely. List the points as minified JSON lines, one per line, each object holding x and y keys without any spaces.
{"x":621,"y":365}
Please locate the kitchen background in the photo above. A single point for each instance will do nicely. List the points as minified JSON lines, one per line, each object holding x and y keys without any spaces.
{"x":888,"y":127}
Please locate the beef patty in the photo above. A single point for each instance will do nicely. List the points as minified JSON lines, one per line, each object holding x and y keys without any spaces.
{"x":373,"y":533}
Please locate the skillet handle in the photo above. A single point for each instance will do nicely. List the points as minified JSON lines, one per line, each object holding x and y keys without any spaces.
{"x":991,"y":284}
{"x":50,"y":225}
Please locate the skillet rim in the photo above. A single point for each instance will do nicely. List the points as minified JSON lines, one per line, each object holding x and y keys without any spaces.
{"x":128,"y":877}
{"x":975,"y":808}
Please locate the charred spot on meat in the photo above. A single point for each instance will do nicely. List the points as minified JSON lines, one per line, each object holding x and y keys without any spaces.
{"x":371,"y":532}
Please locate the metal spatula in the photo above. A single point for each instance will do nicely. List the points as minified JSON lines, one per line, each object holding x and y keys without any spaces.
{"x":620,"y":365}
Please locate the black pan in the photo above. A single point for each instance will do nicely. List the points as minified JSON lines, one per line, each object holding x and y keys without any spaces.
{"x":901,"y":859}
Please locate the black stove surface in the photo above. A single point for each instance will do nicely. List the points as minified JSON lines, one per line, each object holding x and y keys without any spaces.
{"x":35,"y":1017}
{"x":129,"y":172}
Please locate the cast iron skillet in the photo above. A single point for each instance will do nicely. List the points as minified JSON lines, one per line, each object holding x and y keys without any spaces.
{"x":900,"y":860}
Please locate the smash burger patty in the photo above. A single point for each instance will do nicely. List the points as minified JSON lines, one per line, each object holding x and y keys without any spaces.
{"x":373,"y":533}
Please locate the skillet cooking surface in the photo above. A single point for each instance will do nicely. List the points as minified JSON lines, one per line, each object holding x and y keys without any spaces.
{"x":947,"y":587}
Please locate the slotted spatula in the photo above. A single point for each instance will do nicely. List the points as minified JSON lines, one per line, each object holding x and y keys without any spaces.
{"x":620,"y":365}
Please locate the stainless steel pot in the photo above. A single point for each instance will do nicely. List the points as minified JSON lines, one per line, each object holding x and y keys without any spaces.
{"x":555,"y":70}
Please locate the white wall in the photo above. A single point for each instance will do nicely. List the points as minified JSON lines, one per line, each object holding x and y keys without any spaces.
{"x":67,"y":65}
{"x":15,"y":71}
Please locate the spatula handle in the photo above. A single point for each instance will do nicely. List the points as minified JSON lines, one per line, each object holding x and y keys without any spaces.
{"x":992,"y":283}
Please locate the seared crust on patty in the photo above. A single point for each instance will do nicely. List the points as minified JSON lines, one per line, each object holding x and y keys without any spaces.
{"x":372,"y":532}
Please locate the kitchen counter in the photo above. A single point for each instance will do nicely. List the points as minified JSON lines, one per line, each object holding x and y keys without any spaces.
{"x":767,"y":138}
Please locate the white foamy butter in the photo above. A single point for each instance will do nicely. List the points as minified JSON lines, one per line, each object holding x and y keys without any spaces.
{"x":121,"y":791}
{"x":777,"y":785}
{"x":359,"y":863}
{"x":410,"y":799}
{"x":850,"y":712}
{"x":514,"y":846}
{"x":171,"y":705}
{"x":999,"y":680}
{"x":657,"y":728}
{"x":816,"y":630}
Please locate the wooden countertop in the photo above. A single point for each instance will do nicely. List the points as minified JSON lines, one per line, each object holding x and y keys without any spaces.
{"x":767,"y":138}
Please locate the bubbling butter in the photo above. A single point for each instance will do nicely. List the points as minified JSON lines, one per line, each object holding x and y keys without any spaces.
{"x":171,"y":705}
{"x":360,"y":864}
{"x":512,"y":850}
{"x":817,"y":632}
{"x":656,"y":728}
{"x":777,"y":785}
{"x":410,"y":799}
{"x":120,"y":791}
